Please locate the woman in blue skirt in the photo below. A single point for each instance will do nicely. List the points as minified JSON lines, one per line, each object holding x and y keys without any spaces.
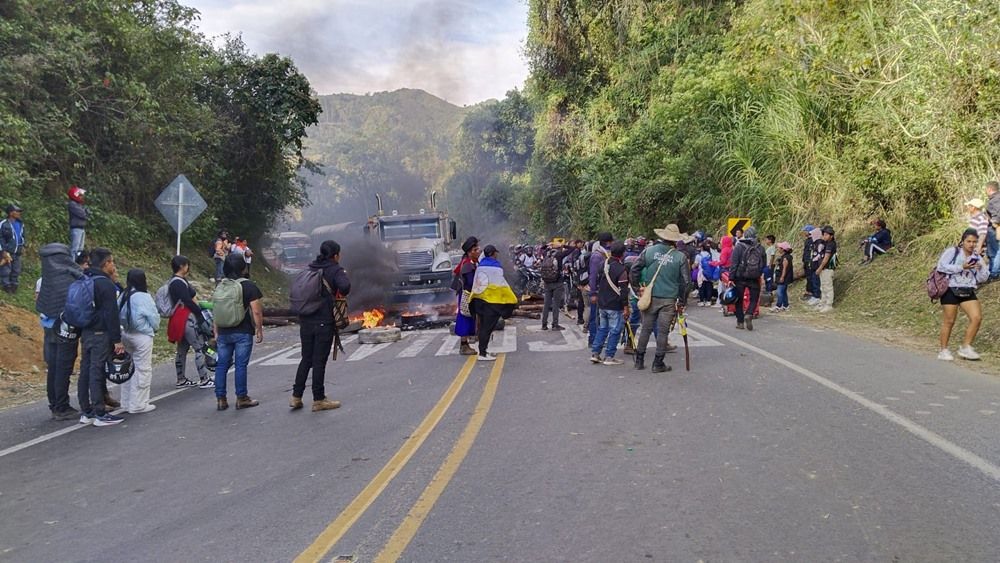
{"x":465,"y":273}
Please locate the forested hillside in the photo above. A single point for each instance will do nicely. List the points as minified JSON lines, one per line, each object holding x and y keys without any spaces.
{"x":396,"y":144}
{"x":785,"y":110}
{"x":119,"y":97}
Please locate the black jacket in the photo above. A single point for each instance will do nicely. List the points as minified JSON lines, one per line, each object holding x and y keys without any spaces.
{"x":58,"y":272}
{"x":607,"y":298}
{"x":78,"y":215}
{"x":181,"y":291}
{"x":336,"y":277}
{"x":106,"y":304}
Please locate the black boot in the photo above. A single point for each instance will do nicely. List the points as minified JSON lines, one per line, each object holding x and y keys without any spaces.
{"x":658,"y":365}
{"x":640,"y":360}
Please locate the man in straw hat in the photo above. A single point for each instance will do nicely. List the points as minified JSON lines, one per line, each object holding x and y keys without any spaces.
{"x":664,"y":271}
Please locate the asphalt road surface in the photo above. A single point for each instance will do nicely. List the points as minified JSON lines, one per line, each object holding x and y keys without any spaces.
{"x":787,"y":443}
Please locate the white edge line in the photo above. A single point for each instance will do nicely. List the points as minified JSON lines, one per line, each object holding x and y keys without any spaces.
{"x":61,"y":431}
{"x":931,"y":437}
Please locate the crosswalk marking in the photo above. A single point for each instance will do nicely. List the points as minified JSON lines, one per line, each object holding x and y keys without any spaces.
{"x":414,"y":344}
{"x":366,"y":350}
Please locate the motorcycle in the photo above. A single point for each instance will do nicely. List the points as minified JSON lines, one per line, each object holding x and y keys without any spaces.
{"x":529,"y":281}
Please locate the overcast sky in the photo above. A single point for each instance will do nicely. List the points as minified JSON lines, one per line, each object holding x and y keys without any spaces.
{"x":464,"y":51}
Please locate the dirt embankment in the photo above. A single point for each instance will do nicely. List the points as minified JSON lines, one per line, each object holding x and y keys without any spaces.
{"x":22,"y":367}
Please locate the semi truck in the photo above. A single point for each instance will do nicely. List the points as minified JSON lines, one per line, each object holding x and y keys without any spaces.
{"x":418,"y":252}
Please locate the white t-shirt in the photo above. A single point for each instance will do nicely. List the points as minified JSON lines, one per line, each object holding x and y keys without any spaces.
{"x":528,"y":261}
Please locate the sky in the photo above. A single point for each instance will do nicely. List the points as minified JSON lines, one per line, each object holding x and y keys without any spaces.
{"x":464,"y":51}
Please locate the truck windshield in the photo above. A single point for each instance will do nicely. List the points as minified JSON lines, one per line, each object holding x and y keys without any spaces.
{"x":295,"y":253}
{"x":424,"y":228}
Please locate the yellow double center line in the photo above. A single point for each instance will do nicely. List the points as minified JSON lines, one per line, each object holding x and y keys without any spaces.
{"x":401,"y":538}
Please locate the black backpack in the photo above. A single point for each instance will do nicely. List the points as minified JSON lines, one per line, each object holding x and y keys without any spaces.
{"x":751,"y":264}
{"x":549,"y":269}
{"x":305,"y":297}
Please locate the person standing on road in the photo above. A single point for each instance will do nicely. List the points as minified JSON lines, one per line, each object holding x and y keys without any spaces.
{"x":552,"y":275}
{"x":99,"y":339}
{"x":61,"y":345}
{"x":965,"y":270}
{"x":11,"y":248}
{"x":598,"y":254}
{"x":139,"y":320}
{"x":993,"y":230}
{"x":78,"y":215}
{"x":807,"y":268}
{"x":664,"y":271}
{"x":238,"y":340}
{"x":464,"y":275}
{"x":316,"y":331}
{"x":827,"y":265}
{"x":747,"y":272}
{"x":724,"y":263}
{"x":612,"y":291}
{"x":188,"y":326}
{"x":816,"y":252}
{"x":492,"y":299}
{"x":784,"y":275}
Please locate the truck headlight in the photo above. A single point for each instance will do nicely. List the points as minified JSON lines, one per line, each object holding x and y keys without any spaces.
{"x":446,"y":265}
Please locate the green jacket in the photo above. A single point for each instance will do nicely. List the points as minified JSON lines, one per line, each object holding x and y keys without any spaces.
{"x":674,"y":277}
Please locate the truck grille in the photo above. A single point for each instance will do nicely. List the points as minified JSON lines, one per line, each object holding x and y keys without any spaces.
{"x":415,"y":260}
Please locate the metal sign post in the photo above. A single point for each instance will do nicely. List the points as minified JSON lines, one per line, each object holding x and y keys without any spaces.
{"x":173,"y":200}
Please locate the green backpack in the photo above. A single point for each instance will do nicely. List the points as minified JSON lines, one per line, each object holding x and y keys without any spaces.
{"x":228,"y":303}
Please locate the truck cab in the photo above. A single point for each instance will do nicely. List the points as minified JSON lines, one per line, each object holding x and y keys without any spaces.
{"x":421,"y":248}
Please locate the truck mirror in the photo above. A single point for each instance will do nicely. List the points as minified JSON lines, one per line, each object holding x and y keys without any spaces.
{"x":452,"y":229}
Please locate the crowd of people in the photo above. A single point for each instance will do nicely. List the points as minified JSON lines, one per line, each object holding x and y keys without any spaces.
{"x":622,"y":292}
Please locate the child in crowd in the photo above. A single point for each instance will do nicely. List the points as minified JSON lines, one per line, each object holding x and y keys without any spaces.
{"x":783,"y":275}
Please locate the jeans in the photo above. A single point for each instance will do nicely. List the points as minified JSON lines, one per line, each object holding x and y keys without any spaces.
{"x":135,"y":391}
{"x":240,"y":345}
{"x":60,"y":355}
{"x":11,"y":273}
{"x":317,"y":339}
{"x":553,"y":300}
{"x":808,"y":275}
{"x":782,"y":296}
{"x":658,"y":317}
{"x":817,"y":290}
{"x":826,"y":285}
{"x":77,"y":240}
{"x":741,"y":286}
{"x":992,"y":250}
{"x":192,"y":339}
{"x":768,"y":279}
{"x":592,"y":324}
{"x":705,"y":292}
{"x":218,"y":269}
{"x":91,"y":387}
{"x":609,"y":331}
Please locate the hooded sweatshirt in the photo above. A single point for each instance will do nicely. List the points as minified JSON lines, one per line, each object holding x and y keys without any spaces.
{"x":725,"y":251}
{"x":336,"y":277}
{"x":748,"y":241}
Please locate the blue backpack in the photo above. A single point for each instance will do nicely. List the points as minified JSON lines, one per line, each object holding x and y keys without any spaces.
{"x":80,"y":309}
{"x":710,"y":272}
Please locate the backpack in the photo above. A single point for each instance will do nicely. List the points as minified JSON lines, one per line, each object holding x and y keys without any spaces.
{"x":80,"y":309}
{"x":164,"y":304}
{"x":751,"y":264}
{"x":549,"y":269}
{"x":937,"y":282}
{"x":306,"y":294}
{"x":228,"y":303}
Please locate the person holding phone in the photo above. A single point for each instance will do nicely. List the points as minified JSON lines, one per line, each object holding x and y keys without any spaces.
{"x":965,"y":270}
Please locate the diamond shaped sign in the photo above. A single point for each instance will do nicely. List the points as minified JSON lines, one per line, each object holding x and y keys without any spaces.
{"x":180,"y":204}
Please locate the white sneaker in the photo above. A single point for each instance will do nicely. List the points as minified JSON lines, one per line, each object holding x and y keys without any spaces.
{"x":945,"y":355}
{"x":148,"y":408}
{"x":967,"y":353}
{"x":813,"y":301}
{"x":825,"y":309}
{"x":486,"y":358}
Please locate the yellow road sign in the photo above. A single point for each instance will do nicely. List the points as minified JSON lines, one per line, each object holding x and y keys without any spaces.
{"x":737,"y":224}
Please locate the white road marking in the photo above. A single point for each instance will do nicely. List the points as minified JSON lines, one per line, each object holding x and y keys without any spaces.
{"x":417,"y":346}
{"x":366,"y":350}
{"x":925,"y":434}
{"x":287,"y":357}
{"x":450,"y":346}
{"x":271,"y":355}
{"x":75,"y":427}
{"x":574,"y":342}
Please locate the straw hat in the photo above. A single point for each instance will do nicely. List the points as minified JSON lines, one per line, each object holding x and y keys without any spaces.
{"x":670,"y":233}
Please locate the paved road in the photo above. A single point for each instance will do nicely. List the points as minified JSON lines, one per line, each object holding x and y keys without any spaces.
{"x":783,"y":444}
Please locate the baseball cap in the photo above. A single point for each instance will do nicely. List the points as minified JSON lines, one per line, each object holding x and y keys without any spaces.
{"x":808,"y":228}
{"x":13,"y":207}
{"x":976,"y":202}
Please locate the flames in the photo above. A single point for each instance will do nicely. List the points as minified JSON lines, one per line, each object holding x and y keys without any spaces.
{"x":372,"y":318}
